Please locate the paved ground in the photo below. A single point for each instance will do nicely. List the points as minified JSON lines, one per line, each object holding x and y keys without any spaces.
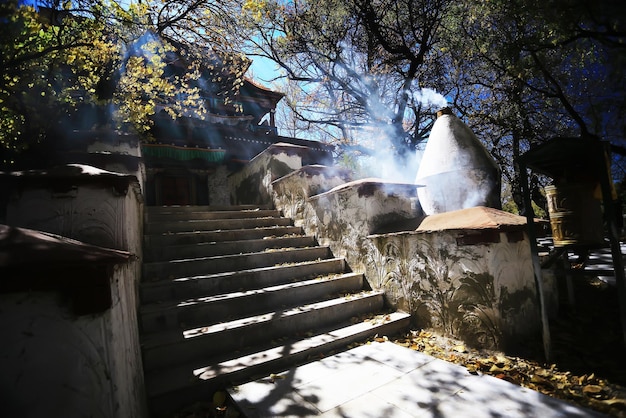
{"x":387,"y":380}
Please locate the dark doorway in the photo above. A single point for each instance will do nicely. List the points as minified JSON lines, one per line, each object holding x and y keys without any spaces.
{"x":175,"y":190}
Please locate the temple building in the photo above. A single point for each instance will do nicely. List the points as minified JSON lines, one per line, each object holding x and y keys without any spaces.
{"x":190,"y":158}
{"x":184,"y":160}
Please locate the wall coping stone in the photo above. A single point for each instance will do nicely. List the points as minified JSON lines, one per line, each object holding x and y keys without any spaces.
{"x":316,"y":169}
{"x":367,"y":186}
{"x":475,"y":218}
{"x":27,"y":246}
{"x":66,"y":176}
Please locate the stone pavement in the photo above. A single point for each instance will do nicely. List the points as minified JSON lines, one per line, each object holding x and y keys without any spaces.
{"x":386,"y":380}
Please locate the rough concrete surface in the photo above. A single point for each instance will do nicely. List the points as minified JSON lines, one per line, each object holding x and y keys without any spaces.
{"x":387,"y":380}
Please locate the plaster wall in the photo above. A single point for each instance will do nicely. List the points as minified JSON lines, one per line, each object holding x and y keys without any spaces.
{"x":108,"y":150}
{"x":483,"y":294}
{"x":253,"y":183}
{"x":119,"y":147}
{"x":53,"y":364}
{"x":93,"y":214}
{"x":217,"y":184}
{"x":95,"y":358}
{"x":292,"y":191}
{"x":344,"y":216}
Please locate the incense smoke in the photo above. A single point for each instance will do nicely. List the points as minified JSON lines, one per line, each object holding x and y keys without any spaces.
{"x":384,"y":161}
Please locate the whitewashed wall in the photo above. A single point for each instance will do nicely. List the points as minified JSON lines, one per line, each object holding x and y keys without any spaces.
{"x":292,"y":191}
{"x":344,"y":216}
{"x":91,"y":362}
{"x":483,"y":293}
{"x":253,"y":183}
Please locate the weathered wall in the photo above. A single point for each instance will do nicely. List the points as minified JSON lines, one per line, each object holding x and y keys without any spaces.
{"x":483,"y":294}
{"x":291,"y":192}
{"x":344,"y":216}
{"x":96,"y":357}
{"x":253,"y":183}
{"x":219,"y":193}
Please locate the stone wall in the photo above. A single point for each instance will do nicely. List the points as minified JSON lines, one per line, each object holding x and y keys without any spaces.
{"x":82,"y":365}
{"x":253,"y":183}
{"x":481,"y":291}
{"x":217,"y":183}
{"x":292,"y":191}
{"x":344,"y":216}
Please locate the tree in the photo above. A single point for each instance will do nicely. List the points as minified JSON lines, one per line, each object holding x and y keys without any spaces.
{"x":59,"y":61}
{"x":34,"y":88}
{"x":518,"y":72}
{"x":527,"y":71}
{"x":361,"y":64}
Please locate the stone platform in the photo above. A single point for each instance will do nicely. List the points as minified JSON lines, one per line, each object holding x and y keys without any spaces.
{"x":387,"y":380}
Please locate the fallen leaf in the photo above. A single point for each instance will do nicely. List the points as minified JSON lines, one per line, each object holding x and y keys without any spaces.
{"x":540,"y":380}
{"x":472,"y":369}
{"x":499,"y":369}
{"x":615,"y":403}
{"x":592,"y":389}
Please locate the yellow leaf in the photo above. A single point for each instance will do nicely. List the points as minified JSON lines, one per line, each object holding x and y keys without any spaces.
{"x":499,"y":369}
{"x":592,"y":389}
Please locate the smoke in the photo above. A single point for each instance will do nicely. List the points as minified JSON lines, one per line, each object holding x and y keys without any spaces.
{"x":384,"y":160}
{"x":430,"y":98}
{"x":384,"y":163}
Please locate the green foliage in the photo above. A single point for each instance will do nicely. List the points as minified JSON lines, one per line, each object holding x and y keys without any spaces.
{"x":360,"y":65}
{"x":126,"y":63}
{"x":518,"y":72}
{"x":36,"y":87}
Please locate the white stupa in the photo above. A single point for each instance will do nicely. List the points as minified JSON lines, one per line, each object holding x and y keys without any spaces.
{"x":456,"y":169}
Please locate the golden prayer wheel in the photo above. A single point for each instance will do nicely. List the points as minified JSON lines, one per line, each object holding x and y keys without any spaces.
{"x":575,"y":214}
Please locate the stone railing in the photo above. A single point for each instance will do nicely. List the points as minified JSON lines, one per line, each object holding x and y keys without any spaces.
{"x":253,"y":183}
{"x":473,"y":281}
{"x":94,"y":355}
{"x":481,"y":292}
{"x":345,"y":215}
{"x":292,"y":191}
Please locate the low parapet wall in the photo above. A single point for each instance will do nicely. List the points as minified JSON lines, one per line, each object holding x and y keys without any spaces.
{"x":253,"y":183}
{"x":480,"y":292}
{"x":345,"y":215}
{"x":471,"y":278}
{"x":291,"y":192}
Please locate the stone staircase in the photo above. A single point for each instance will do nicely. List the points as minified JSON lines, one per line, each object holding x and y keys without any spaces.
{"x":234,"y":293}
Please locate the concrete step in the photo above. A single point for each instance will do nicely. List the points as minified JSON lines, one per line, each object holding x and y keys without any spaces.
{"x":153,"y":210}
{"x":204,"y":215}
{"x":208,"y":249}
{"x":230,"y":294}
{"x":182,"y":385}
{"x":214,"y":224}
{"x":153,"y":242}
{"x":207,"y":310}
{"x":233,"y":281}
{"x":219,"y":264}
{"x":167,"y":349}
